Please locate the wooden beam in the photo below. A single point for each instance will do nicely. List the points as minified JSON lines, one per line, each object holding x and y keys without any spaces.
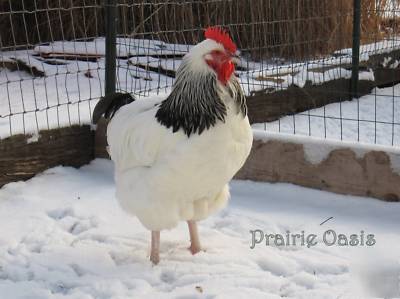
{"x":21,"y":158}
{"x":266,"y":107}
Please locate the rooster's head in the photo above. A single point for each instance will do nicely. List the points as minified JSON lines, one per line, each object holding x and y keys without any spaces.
{"x":216,"y":53}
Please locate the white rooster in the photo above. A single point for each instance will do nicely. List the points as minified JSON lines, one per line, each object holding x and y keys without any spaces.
{"x":174,"y":158}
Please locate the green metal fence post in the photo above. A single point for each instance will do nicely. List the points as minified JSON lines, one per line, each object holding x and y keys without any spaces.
{"x":356,"y":47}
{"x":111,"y":53}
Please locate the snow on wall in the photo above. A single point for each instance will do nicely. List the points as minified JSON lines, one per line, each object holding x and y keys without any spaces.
{"x":317,"y":150}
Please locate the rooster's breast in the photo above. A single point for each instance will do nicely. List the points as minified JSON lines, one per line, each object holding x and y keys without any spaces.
{"x":203,"y":164}
{"x":186,"y":171}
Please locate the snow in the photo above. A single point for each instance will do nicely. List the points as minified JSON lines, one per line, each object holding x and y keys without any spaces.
{"x":64,"y":236}
{"x":378,"y":47}
{"x":24,"y":100}
{"x":317,"y":71}
{"x":125,"y":47}
{"x":34,"y":138}
{"x":390,"y":62}
{"x":304,"y":75}
{"x":378,"y":112}
{"x":70,"y":89}
{"x":68,"y":92}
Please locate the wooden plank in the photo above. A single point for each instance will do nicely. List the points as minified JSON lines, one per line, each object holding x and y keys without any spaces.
{"x":265,"y":107}
{"x":385,"y":77}
{"x":15,"y":64}
{"x":156,"y":69}
{"x":21,"y":159}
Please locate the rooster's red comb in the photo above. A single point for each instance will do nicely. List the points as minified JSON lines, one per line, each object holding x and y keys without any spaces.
{"x":222,"y":37}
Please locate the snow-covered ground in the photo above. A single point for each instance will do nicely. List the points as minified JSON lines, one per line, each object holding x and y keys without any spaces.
{"x":373,"y":118}
{"x":63,"y":235}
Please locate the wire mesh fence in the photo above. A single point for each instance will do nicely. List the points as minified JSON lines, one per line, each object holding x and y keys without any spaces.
{"x":283,"y":44}
{"x":50,"y":64}
{"x":372,"y":118}
{"x":52,"y":59}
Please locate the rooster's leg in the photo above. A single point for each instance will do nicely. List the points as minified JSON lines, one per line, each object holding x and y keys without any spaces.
{"x":155,"y":247}
{"x":194,"y":237}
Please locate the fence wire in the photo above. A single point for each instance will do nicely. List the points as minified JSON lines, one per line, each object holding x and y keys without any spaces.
{"x":56,"y":51}
{"x":51,"y":64}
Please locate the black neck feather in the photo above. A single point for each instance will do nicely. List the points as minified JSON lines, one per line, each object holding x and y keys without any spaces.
{"x":194,"y":104}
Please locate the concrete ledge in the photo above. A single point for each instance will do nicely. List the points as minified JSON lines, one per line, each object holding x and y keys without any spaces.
{"x":347,"y":168}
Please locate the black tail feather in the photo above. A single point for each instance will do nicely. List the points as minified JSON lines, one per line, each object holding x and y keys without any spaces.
{"x":110,"y":104}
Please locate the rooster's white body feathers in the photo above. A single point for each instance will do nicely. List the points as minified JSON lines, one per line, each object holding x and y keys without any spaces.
{"x":164,"y":177}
